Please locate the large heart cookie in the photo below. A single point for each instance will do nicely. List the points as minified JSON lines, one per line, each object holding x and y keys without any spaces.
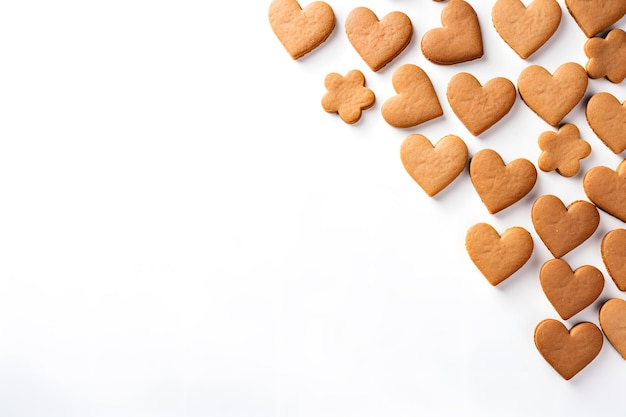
{"x":593,"y":16}
{"x":552,"y":97}
{"x":498,"y":257}
{"x":480,"y":107}
{"x":378,"y":41}
{"x":301,"y":30}
{"x":570,"y":291}
{"x":416,"y":101}
{"x":607,"y":118}
{"x":613,"y":249}
{"x":568,"y":352}
{"x":607,"y":189}
{"x":459,"y":39}
{"x":526,"y":29}
{"x":500,"y":185}
{"x":612,"y":319}
{"x":560,"y":228}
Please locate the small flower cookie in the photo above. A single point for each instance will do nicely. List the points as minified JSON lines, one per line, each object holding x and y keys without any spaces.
{"x":562,"y":150}
{"x":347,"y":95}
{"x":607,"y":57}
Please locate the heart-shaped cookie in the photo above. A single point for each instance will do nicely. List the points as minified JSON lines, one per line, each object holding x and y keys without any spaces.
{"x":568,"y":352}
{"x":433,"y":167}
{"x":498,"y":257}
{"x":612,"y":319}
{"x":526,"y":29}
{"x":607,"y":118}
{"x":607,"y":189}
{"x":607,"y":57}
{"x":593,"y":16}
{"x":613,"y":249}
{"x":301,"y":30}
{"x":416,"y":101}
{"x":500,"y":185}
{"x":552,"y":97}
{"x":480,"y":107}
{"x":378,"y":41}
{"x":570,"y":291}
{"x":459,"y":39}
{"x":560,"y":228}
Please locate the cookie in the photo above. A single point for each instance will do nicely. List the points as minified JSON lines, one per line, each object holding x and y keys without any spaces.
{"x":594,"y":16}
{"x":562,"y":228}
{"x":613,"y":250}
{"x":347,"y":95}
{"x":498,"y":257}
{"x":607,"y":57}
{"x":499,"y":185}
{"x":301,"y":30}
{"x":568,"y":352}
{"x":607,"y":189}
{"x":459,"y":40}
{"x":562,"y":151}
{"x":480,"y":107}
{"x":416,"y":101}
{"x":569,"y":291}
{"x":612,"y":319}
{"x":607,"y":118}
{"x":552,"y":97}
{"x":433,"y":167}
{"x":526,"y":29}
{"x":378,"y":41}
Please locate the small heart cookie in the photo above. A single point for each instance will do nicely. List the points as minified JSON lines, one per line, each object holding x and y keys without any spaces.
{"x":568,"y":352}
{"x":526,"y":29}
{"x":459,"y":39}
{"x":301,"y":30}
{"x":416,"y":101}
{"x":498,"y":257}
{"x":607,"y":189}
{"x":593,"y":16}
{"x":613,"y":249}
{"x":607,"y":57}
{"x":480,"y":107}
{"x":562,"y":150}
{"x":607,"y":118}
{"x":563,"y":229}
{"x":347,"y":95}
{"x":570,"y":291}
{"x":378,"y":41}
{"x":433,"y":167}
{"x":612,"y":319}
{"x":552,"y":97}
{"x":500,"y":185}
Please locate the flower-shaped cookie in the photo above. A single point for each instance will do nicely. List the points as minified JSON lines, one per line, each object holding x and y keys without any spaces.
{"x":347,"y":95}
{"x":607,"y":57}
{"x":562,"y":150}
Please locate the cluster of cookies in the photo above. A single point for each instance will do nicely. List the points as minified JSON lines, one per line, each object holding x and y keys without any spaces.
{"x":552,"y":96}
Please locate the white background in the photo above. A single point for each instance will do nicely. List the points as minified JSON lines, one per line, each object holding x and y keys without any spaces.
{"x":185,"y":232}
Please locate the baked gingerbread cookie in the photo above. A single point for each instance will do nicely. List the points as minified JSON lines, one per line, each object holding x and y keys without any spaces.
{"x":612,"y":319}
{"x":607,"y":118}
{"x":607,"y":56}
{"x":613,"y":250}
{"x":562,"y":151}
{"x":347,"y":95}
{"x":594,"y":16}
{"x":607,"y":189}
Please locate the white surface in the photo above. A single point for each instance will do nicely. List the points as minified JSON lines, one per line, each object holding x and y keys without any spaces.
{"x":185,"y":232}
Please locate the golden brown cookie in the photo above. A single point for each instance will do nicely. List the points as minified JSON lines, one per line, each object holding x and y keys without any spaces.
{"x":480,"y":107}
{"x":607,"y":189}
{"x":416,"y":101}
{"x":607,"y":57}
{"x":552,"y":97}
{"x":612,"y":319}
{"x":593,"y":16}
{"x":568,"y":352}
{"x":500,"y":185}
{"x":569,"y":291}
{"x":378,"y":41}
{"x":562,"y":150}
{"x":526,"y":29}
{"x":563,"y":228}
{"x":459,"y":39}
{"x":433,"y":167}
{"x":347,"y":95}
{"x":498,"y":257}
{"x":301,"y":30}
{"x":613,"y":249}
{"x":607,"y":118}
